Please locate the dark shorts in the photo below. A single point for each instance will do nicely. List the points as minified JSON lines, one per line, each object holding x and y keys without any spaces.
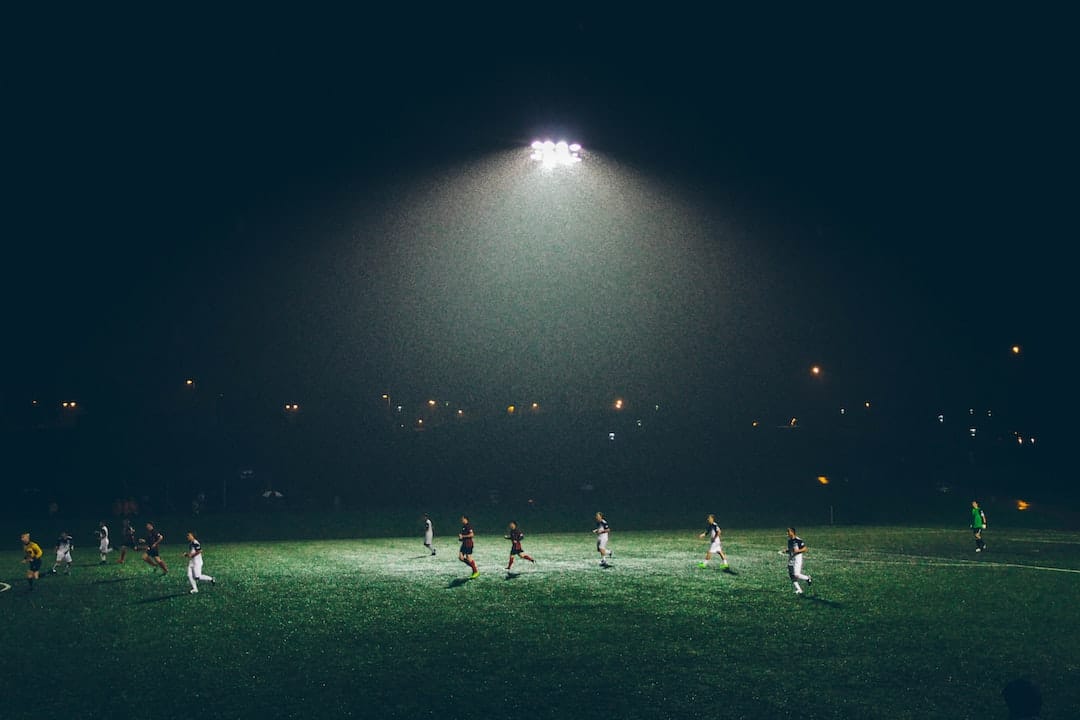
{"x":516,"y":550}
{"x":129,"y":544}
{"x":152,"y":552}
{"x":466,"y":549}
{"x":35,"y":564}
{"x":976,"y":531}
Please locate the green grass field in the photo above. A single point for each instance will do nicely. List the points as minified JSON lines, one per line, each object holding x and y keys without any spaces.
{"x":899,"y":623}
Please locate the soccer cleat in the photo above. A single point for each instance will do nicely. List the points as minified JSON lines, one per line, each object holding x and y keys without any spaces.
{"x":213,"y":582}
{"x":193,"y":590}
{"x":475,"y":575}
{"x":809,"y":581}
{"x":978,"y":549}
{"x":432,"y":552}
{"x":702,"y":565}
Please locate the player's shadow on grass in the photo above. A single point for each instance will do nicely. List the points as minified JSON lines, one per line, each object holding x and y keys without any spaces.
{"x":159,"y":598}
{"x":512,"y":575}
{"x":111,"y":581}
{"x":420,"y":557}
{"x":822,"y":601}
{"x":457,"y":582}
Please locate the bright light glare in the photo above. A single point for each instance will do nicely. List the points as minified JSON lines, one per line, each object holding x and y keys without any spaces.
{"x":552,"y":154}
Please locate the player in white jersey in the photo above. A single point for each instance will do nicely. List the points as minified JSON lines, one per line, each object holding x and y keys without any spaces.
{"x":716,"y":545}
{"x":64,"y":544}
{"x":796,"y":548}
{"x":429,"y":533}
{"x":103,"y":540}
{"x":602,"y":530}
{"x":195,"y":563}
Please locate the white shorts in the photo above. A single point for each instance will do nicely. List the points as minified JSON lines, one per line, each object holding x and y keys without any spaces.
{"x":195,"y":565}
{"x":716,"y":547}
{"x":601,"y":541}
{"x":428,"y":538}
{"x":63,"y":556}
{"x":103,"y":546}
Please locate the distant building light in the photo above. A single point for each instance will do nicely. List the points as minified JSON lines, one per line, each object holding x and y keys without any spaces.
{"x":971,"y":411}
{"x":189,"y":382}
{"x":1022,"y":505}
{"x":866,"y":404}
{"x":793,"y":422}
{"x":1015,"y":349}
{"x":1019,"y":439}
{"x":823,"y":480}
{"x":815,"y":370}
{"x":989,"y":413}
{"x":754,"y":424}
{"x":618,"y":404}
{"x":431,"y":403}
{"x":398,"y":408}
{"x":611,"y":436}
{"x":510,"y":409}
{"x":460,"y":412}
{"x":941,"y":418}
{"x":971,"y":431}
{"x":843,"y":411}
{"x":639,"y":423}
{"x":535,"y":406}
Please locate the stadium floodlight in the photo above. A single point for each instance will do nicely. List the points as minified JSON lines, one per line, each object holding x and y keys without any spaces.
{"x":553,"y":154}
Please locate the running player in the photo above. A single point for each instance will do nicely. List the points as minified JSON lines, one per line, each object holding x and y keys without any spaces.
{"x":127,"y":540}
{"x":152,"y":553}
{"x":103,"y":540}
{"x":466,"y":537}
{"x":32,"y":557}
{"x":515,"y":538}
{"x":429,"y":533}
{"x":716,"y":546}
{"x":601,"y":531}
{"x":195,"y":563}
{"x":64,"y":545}
{"x":978,"y":524}
{"x":796,"y":548}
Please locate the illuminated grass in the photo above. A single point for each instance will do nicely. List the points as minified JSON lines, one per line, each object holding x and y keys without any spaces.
{"x":899,"y":623}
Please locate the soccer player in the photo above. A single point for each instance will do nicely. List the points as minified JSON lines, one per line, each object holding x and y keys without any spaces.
{"x":515,"y":537}
{"x":127,"y":541}
{"x":152,"y":553}
{"x":32,"y":557}
{"x":195,"y":562}
{"x":601,"y":531}
{"x":466,"y":537}
{"x":716,"y":546}
{"x":103,"y":540}
{"x":978,"y":524}
{"x":429,"y":533}
{"x":796,"y":548}
{"x":64,"y":544}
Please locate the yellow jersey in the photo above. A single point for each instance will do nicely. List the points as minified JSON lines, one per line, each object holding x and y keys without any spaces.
{"x":32,"y":550}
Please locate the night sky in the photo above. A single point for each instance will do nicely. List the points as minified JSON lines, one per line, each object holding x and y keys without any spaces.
{"x":338,"y":206}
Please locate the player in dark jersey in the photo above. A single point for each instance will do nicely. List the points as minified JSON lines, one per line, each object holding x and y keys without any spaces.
{"x":602,"y":530}
{"x":796,"y":548}
{"x":32,"y":557}
{"x":515,"y":537}
{"x":127,"y":540}
{"x":466,"y":537}
{"x":152,"y":553}
{"x":714,"y":533}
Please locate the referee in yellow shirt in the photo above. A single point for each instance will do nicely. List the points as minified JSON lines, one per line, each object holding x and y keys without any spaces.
{"x":31,"y":556}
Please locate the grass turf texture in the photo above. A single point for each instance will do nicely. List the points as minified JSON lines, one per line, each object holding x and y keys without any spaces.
{"x":899,"y":623}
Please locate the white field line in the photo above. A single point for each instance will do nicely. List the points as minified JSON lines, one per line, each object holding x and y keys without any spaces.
{"x":938,"y":562}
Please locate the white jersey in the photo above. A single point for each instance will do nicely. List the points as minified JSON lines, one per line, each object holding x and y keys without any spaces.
{"x":103,"y":539}
{"x":429,"y":531}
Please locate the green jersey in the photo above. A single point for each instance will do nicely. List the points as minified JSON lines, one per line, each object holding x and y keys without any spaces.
{"x":977,"y":518}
